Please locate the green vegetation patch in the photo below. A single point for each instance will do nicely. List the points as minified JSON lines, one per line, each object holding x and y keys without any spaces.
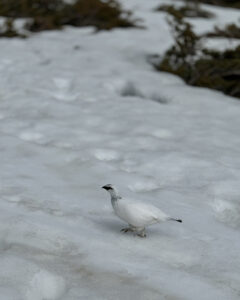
{"x":54,"y":14}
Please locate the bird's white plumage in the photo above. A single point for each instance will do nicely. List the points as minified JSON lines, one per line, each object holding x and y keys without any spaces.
{"x":137,"y":214}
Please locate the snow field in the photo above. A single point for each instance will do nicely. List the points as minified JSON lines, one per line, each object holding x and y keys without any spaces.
{"x":75,"y":118}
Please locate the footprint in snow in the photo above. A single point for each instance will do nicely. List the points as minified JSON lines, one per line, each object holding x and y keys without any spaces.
{"x":106,"y":154}
{"x":63,"y":89}
{"x":30,"y":136}
{"x":161,"y":133}
{"x":33,"y":136}
{"x":13,"y":198}
{"x":45,"y":286}
{"x":226,"y":212}
{"x":5,"y":63}
{"x":2,"y":117}
{"x":144,"y":186}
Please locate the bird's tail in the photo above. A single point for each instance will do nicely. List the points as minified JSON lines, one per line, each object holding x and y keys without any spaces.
{"x":177,"y":220}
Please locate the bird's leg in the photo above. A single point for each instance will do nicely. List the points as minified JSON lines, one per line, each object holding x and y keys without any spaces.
{"x":142,"y":233}
{"x":130,"y":228}
{"x":126,"y":229}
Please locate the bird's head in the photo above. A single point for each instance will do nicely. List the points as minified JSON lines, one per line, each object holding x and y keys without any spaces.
{"x":108,"y":187}
{"x":112,"y":190}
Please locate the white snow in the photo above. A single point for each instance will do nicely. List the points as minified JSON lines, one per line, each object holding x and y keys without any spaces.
{"x":75,"y":118}
{"x":44,"y":285}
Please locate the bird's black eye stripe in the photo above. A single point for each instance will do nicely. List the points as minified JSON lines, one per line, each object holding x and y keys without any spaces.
{"x":106,"y":187}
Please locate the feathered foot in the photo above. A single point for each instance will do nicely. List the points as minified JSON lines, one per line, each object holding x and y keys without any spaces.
{"x":142,"y":233}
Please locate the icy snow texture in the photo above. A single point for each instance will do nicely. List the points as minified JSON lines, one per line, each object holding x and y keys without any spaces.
{"x":45,"y":286}
{"x":75,"y":118}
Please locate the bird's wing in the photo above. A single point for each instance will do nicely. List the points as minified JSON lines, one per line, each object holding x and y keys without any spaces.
{"x":140,"y":214}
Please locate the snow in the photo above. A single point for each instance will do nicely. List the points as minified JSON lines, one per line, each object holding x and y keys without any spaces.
{"x":79,"y":110}
{"x":44,"y":285}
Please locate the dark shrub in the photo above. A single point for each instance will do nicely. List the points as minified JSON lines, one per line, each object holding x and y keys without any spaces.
{"x":30,"y":8}
{"x":187,"y":11}
{"x":229,"y":31}
{"x":102,"y":15}
{"x":225,"y":3}
{"x":220,"y":71}
{"x":201,"y":67}
{"x":8,"y":30}
{"x":53,"y":14}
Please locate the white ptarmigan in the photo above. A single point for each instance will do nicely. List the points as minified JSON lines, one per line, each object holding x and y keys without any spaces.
{"x":138,"y":215}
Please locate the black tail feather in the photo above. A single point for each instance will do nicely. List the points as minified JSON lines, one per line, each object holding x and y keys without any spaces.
{"x":177,"y":220}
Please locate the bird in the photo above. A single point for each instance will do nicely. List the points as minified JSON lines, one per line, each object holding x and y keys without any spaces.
{"x":138,"y":215}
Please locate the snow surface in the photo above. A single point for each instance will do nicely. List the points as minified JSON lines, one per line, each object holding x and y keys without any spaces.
{"x":79,"y":110}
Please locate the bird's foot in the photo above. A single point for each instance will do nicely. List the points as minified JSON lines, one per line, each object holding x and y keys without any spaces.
{"x":126,"y":229}
{"x":142,"y":234}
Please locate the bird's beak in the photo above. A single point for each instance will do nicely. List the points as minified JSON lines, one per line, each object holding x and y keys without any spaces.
{"x":103,"y":187}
